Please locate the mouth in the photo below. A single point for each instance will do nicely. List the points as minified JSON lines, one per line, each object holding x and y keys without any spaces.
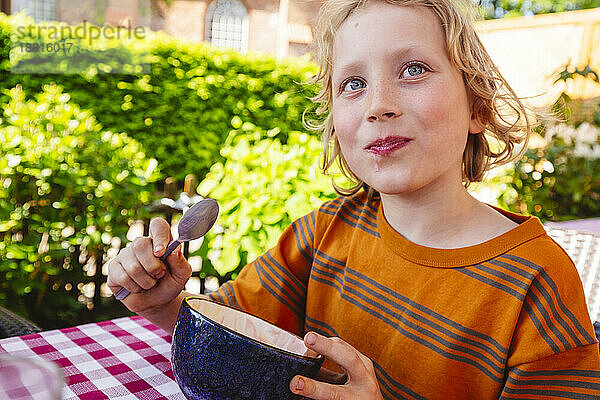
{"x":387,"y":145}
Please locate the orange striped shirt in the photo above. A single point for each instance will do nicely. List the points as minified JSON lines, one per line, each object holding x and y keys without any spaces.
{"x":506,"y":318}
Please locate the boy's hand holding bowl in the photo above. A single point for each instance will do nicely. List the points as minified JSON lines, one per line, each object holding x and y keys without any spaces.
{"x":359,"y":381}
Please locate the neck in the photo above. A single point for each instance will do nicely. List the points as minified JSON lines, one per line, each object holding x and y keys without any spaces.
{"x":431,"y":217}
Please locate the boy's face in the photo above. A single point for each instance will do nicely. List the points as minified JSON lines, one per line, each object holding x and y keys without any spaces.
{"x":392,"y":77}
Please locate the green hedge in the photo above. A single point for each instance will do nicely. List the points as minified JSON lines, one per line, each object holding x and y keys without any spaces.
{"x":182,"y":109}
{"x":67,"y":188}
{"x":262,"y":187}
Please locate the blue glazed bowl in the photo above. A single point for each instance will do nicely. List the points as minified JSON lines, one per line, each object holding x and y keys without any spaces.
{"x":221,"y":353}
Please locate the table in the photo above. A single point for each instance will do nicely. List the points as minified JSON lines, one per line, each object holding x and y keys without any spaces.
{"x":124,"y":358}
{"x":584,"y":225}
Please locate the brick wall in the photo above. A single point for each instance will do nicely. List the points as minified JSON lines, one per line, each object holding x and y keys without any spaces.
{"x":114,"y":12}
{"x":185,"y":19}
{"x":262,"y":35}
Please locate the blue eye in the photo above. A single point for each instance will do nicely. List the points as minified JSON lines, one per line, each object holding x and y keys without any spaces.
{"x":352,"y":84}
{"x":413,"y":70}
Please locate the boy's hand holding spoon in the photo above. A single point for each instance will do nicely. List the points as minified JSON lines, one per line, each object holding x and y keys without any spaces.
{"x":150,"y":269}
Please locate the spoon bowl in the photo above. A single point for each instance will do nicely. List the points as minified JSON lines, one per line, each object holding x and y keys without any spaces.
{"x":194,"y":224}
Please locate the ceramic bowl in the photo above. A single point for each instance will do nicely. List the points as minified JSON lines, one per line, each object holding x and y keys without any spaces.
{"x":220,"y":353}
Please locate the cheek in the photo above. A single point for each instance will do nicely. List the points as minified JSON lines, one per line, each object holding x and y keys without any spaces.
{"x":345,"y":126}
{"x":447,"y":115}
{"x":347,"y":145}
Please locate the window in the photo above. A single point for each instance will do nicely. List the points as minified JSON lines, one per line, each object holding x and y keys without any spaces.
{"x":40,"y":10}
{"x":227,"y":25}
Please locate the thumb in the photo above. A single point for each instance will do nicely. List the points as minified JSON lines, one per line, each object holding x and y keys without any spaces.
{"x":160,"y":232}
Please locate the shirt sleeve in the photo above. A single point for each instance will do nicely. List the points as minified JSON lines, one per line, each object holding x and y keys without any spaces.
{"x":571,"y":374}
{"x":273,"y":287}
{"x":554,"y":352}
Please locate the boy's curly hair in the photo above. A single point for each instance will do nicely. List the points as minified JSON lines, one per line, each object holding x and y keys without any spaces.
{"x":493,"y":100}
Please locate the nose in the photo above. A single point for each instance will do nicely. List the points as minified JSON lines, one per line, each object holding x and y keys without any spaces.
{"x":383,"y":105}
{"x":382,"y":116}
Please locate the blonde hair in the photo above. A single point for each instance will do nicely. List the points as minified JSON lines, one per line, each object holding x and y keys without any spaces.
{"x":493,"y":100}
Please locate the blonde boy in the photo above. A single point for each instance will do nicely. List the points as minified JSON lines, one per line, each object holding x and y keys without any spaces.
{"x":407,"y":284}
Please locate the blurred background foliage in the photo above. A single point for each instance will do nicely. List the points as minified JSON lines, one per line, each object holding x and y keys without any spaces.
{"x":63,"y":215}
{"x":67,"y":188}
{"x":558,"y":178}
{"x":494,"y":9}
{"x":83,"y":158}
{"x":190,"y":94}
{"x":559,"y":181}
{"x":262,"y":187}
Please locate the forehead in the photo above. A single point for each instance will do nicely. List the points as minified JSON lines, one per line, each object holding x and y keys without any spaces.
{"x":382,"y":28}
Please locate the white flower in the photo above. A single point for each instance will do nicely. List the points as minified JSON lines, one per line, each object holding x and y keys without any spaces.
{"x":550,"y":132}
{"x":581,"y":150}
{"x":587,"y":151}
{"x":548,"y":166}
{"x":565,"y":132}
{"x":588,"y":133}
{"x":596,"y":151}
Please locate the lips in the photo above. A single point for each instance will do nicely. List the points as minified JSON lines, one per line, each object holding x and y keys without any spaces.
{"x":387,"y":145}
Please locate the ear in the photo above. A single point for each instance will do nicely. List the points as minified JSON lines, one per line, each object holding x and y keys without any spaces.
{"x":479,"y":116}
{"x":476,"y":126}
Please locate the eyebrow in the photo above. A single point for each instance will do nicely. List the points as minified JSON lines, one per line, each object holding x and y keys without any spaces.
{"x":346,"y":68}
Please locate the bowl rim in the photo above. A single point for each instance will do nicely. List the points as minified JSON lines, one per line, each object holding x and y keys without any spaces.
{"x":185,"y":301}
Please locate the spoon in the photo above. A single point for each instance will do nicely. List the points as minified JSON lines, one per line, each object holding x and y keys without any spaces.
{"x":194,"y":224}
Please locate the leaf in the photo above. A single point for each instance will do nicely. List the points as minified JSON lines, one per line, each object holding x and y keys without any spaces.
{"x":7,"y":225}
{"x":16,"y":252}
{"x":228,"y":260}
{"x":206,"y":187}
{"x":272,"y":216}
{"x":273,"y":234}
{"x":229,"y":206}
{"x":252,"y":246}
{"x":243,"y":227}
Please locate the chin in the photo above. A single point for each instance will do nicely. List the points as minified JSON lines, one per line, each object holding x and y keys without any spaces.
{"x":393,"y":188}
{"x":399,"y":184}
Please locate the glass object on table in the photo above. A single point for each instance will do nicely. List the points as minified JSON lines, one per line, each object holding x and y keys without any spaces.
{"x":30,"y":378}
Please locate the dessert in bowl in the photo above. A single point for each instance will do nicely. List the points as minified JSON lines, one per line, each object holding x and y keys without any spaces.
{"x":219,"y":352}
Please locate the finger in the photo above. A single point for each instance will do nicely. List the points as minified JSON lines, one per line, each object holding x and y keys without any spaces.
{"x":178,"y":263}
{"x":340,"y":352}
{"x":142,"y":247}
{"x":118,"y":278}
{"x":312,"y":389}
{"x":160,"y":232}
{"x":327,"y":375}
{"x":179,"y":270}
{"x":134,"y":269}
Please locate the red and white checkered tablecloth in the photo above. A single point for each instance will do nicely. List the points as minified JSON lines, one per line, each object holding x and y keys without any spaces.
{"x":124,"y":358}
